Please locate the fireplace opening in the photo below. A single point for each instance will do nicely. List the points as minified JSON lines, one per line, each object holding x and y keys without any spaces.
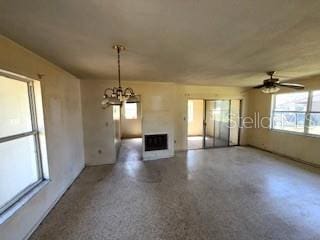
{"x":155,"y":142}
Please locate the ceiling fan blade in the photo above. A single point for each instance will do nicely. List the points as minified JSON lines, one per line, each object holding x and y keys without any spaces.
{"x":259,"y":86}
{"x":291,"y":85}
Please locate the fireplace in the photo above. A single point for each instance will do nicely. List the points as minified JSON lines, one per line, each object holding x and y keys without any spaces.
{"x":155,"y":142}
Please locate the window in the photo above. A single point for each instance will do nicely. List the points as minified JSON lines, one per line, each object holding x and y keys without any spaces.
{"x":290,"y":111}
{"x":131,"y":110}
{"x":297,"y":112}
{"x":314,"y":117}
{"x":116,"y":112}
{"x":190,"y":111}
{"x":20,"y":163}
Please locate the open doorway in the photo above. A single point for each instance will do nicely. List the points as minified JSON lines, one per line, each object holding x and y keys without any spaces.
{"x":131,"y":130}
{"x":213,"y":123}
{"x":131,"y":121}
{"x":195,"y":123}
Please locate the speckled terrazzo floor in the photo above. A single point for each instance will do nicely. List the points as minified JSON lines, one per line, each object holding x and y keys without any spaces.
{"x":227,"y":193}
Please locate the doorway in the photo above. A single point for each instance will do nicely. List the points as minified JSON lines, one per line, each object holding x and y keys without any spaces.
{"x":213,"y":123}
{"x":131,"y":130}
{"x":195,"y":123}
{"x":131,"y":121}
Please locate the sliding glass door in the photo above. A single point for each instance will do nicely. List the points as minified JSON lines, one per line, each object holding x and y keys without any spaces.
{"x":221,"y":124}
{"x":235,"y":113}
{"x":208,"y":128}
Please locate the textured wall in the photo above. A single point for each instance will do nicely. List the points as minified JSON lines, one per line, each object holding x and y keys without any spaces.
{"x":101,"y":131}
{"x":158,"y":108}
{"x":62,"y":114}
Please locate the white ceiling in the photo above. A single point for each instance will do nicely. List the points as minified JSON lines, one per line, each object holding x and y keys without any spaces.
{"x":209,"y":42}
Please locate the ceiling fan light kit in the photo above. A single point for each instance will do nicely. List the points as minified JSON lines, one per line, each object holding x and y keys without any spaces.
{"x":272,"y":85}
{"x":271,"y":90}
{"x":116,"y":96}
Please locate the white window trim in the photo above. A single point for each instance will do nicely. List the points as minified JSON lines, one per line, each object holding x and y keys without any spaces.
{"x":305,"y":132}
{"x":26,"y":194}
{"x":8,"y":213}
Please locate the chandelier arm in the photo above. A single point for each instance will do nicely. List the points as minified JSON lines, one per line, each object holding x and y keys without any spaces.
{"x":128,"y":90}
{"x":117,"y":94}
{"x":106,"y":90}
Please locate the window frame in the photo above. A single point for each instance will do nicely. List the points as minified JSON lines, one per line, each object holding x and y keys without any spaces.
{"x":307,"y":113}
{"x":34,"y":132}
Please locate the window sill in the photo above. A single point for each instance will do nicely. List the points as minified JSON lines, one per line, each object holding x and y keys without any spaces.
{"x":21,"y":202}
{"x":295,"y":133}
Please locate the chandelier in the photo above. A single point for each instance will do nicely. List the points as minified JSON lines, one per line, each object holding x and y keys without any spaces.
{"x":116,"y":95}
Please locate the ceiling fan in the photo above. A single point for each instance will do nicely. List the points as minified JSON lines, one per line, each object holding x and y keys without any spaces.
{"x":272,"y":85}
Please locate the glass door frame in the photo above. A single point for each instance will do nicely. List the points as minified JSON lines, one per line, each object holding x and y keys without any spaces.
{"x":229,"y":119}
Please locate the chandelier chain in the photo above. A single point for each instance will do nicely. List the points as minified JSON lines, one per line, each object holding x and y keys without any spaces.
{"x":119,"y":81}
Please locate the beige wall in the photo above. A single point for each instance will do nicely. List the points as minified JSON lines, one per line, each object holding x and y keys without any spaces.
{"x":64,"y":137}
{"x":101,"y":132}
{"x":195,"y":127}
{"x":304,"y":148}
{"x":165,"y":101}
{"x":158,"y":112}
